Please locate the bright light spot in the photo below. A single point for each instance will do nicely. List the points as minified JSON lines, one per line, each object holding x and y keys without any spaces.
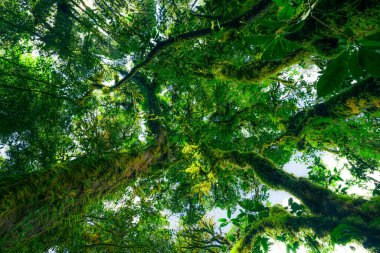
{"x":109,"y":83}
{"x":89,"y":4}
{"x":195,"y":3}
{"x":3,"y":151}
{"x":309,"y":74}
{"x":297,"y":168}
{"x":143,"y":134}
{"x":245,"y":132}
{"x":174,"y":220}
{"x":332,"y":161}
{"x":278,"y":247}
{"x":281,"y":198}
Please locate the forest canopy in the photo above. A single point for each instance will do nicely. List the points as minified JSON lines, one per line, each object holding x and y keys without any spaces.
{"x":124,"y":125}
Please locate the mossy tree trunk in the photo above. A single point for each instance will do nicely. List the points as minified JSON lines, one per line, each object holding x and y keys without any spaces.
{"x":34,"y":203}
{"x":326,"y":206}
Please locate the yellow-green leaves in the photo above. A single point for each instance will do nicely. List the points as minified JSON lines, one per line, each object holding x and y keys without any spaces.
{"x":194,"y":168}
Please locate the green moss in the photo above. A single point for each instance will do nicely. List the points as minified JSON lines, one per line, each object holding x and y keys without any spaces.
{"x":255,"y":71}
{"x":345,"y":233}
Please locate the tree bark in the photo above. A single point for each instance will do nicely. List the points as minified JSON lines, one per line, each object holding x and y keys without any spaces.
{"x":361,"y":97}
{"x":346,"y":218}
{"x":319,"y":200}
{"x":37,"y":202}
{"x":283,"y":223}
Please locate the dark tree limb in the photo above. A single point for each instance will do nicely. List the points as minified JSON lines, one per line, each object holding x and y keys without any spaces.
{"x":235,"y":23}
{"x":319,"y":200}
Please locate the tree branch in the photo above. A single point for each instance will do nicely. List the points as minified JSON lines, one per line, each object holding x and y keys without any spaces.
{"x":336,"y":107}
{"x":318,"y":199}
{"x":235,"y":23}
{"x":283,"y":222}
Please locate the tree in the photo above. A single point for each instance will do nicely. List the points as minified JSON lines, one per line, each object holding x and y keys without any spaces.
{"x":179,"y":107}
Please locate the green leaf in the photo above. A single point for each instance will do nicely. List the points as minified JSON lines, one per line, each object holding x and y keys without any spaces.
{"x":265,"y":245}
{"x":290,"y":201}
{"x":278,"y":49}
{"x":222,"y":220}
{"x":334,"y":75}
{"x":201,"y":9}
{"x":273,"y":51}
{"x":281,"y":2}
{"x":229,"y":214}
{"x":261,"y":39}
{"x":372,"y":41}
{"x":294,"y":27}
{"x":231,"y":238}
{"x":286,"y":12}
{"x":240,"y":216}
{"x":369,"y":60}
{"x":235,"y":222}
{"x":223,"y":224}
{"x":290,"y":45}
{"x":271,"y":24}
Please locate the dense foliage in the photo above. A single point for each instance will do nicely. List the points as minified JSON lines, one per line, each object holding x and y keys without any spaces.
{"x":118,"y":117}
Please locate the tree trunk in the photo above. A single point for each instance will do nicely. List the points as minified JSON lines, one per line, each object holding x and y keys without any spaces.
{"x":32,"y":204}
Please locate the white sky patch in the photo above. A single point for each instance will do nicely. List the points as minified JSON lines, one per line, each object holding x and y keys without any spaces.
{"x":89,"y":3}
{"x":332,"y":161}
{"x":278,"y":247}
{"x":116,"y":205}
{"x":194,"y":4}
{"x":3,"y":151}
{"x":217,"y":213}
{"x":310,"y":74}
{"x":245,"y":132}
{"x":109,"y":83}
{"x":297,"y":168}
{"x":173,"y":219}
{"x":142,"y":136}
{"x":280,"y":198}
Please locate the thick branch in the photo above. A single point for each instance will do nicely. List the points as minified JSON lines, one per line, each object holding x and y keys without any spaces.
{"x":353,"y":101}
{"x":283,"y":223}
{"x":149,"y":89}
{"x":368,"y":91}
{"x":235,"y":23}
{"x":318,"y":199}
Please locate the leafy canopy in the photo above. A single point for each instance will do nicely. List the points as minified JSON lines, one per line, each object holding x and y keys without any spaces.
{"x":119,"y":117}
